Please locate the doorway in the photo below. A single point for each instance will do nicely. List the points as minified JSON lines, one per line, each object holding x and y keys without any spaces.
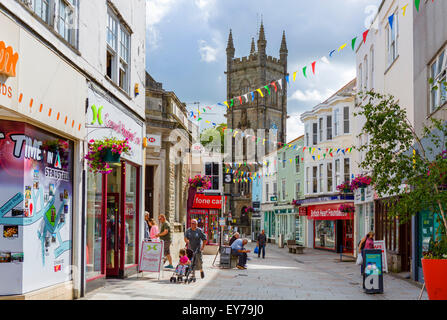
{"x":348,"y":236}
{"x":149,"y":191}
{"x":113,"y":234}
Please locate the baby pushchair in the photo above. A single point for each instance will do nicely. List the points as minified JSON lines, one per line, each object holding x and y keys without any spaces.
{"x":185,"y":273}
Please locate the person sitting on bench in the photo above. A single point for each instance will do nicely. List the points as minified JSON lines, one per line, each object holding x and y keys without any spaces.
{"x":237,"y":249}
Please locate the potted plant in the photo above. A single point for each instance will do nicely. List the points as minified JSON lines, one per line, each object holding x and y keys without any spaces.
{"x":344,"y":187}
{"x":200,"y":183}
{"x":360,"y":182}
{"x":410,"y":166}
{"x":347,"y":208}
{"x":102,"y":152}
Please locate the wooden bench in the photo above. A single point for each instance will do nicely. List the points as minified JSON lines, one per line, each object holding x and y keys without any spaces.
{"x":293,"y":247}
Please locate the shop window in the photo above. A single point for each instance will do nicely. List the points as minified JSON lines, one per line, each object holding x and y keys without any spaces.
{"x":94,"y":225}
{"x":131,"y":214}
{"x":325,"y":234}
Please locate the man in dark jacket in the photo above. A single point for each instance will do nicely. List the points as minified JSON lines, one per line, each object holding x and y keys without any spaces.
{"x":262,"y":239}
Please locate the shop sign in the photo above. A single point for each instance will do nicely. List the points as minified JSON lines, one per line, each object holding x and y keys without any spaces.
{"x":150,"y":257}
{"x":380,"y":245}
{"x":373,"y":274}
{"x":36,"y":192}
{"x":327,"y":212}
{"x":202,"y":201}
{"x":153,"y":140}
{"x":273,"y":198}
{"x":256,"y":204}
{"x":302,"y":211}
{"x":222,"y":222}
{"x":116,"y":123}
{"x":8,"y":60}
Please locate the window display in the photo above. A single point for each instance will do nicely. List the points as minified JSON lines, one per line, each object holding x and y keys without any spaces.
{"x":94,"y":219}
{"x":131,"y":205}
{"x":325,"y":234}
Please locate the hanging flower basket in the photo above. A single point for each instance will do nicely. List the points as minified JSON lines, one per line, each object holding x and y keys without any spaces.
{"x":249,"y":209}
{"x":360,"y":182}
{"x":344,"y":187}
{"x":295,"y":203}
{"x":347,"y":208}
{"x":200,"y":183}
{"x":102,"y":152}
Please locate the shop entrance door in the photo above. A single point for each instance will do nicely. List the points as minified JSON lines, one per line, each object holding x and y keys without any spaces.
{"x":113,"y":234}
{"x":348,"y":236}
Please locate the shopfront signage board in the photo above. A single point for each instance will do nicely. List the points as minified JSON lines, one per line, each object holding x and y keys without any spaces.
{"x":202,"y":201}
{"x":327,"y":212}
{"x":373,"y":272}
{"x":151,"y":255}
{"x":380,"y":245}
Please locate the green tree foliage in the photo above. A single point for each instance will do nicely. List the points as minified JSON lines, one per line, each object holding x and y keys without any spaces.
{"x":410,"y":175}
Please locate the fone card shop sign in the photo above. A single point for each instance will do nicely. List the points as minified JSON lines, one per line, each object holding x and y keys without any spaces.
{"x":327,"y":212}
{"x":202,"y":201}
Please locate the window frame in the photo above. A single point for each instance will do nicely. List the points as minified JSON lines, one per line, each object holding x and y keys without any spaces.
{"x":330,"y":177}
{"x":329,"y":133}
{"x":121,"y":63}
{"x":437,"y":86}
{"x":346,"y":120}
{"x":314,"y":179}
{"x":392,"y":40}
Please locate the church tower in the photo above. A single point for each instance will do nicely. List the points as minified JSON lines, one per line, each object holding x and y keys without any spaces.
{"x":245,"y":75}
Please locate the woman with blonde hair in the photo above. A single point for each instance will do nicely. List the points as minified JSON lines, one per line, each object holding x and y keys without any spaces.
{"x":366,"y":243}
{"x":154,"y":230}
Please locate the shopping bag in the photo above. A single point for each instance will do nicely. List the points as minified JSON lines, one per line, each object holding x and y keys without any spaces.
{"x":359,"y":260}
{"x":256,"y":250}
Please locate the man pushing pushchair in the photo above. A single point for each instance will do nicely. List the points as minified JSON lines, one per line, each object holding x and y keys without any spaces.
{"x":196,"y":240}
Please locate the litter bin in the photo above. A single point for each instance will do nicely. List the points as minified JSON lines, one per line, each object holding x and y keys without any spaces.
{"x":281,"y":241}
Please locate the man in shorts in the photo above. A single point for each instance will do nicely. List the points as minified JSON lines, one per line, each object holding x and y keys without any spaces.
{"x":165,"y":235}
{"x":196,"y":239}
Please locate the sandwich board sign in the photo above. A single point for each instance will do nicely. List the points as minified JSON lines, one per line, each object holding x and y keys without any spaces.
{"x":373,"y":272}
{"x":380,"y":245}
{"x":151,"y":256}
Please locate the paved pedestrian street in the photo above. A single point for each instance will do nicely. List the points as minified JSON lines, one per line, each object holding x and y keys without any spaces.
{"x":314,"y":275}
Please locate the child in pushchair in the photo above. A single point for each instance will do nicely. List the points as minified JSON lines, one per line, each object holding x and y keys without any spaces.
{"x":185,"y":268}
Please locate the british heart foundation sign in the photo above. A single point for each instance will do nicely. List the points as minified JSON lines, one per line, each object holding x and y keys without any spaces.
{"x":202,"y":201}
{"x":327,"y":212}
{"x":8,"y":60}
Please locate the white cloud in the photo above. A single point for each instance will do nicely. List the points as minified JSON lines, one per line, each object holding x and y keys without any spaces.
{"x":295,"y":127}
{"x":311,"y":95}
{"x":207,"y":52}
{"x":206,"y":7}
{"x":156,"y":11}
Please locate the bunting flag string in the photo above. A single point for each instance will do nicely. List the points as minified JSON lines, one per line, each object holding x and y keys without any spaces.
{"x":304,"y":69}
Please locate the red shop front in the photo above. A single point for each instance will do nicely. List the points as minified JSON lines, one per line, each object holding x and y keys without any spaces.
{"x":333,"y":229}
{"x":206,"y":210}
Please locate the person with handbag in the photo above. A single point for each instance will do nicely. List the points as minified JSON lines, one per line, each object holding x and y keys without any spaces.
{"x":366,"y":243}
{"x":262,"y":239}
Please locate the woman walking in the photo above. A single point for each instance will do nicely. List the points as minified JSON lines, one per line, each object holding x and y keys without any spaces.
{"x":366,"y":243}
{"x":154,"y":230}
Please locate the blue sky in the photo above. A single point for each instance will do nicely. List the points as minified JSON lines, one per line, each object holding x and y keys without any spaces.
{"x":186,"y":41}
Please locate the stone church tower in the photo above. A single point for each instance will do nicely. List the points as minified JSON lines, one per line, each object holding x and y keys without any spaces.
{"x":245,"y":75}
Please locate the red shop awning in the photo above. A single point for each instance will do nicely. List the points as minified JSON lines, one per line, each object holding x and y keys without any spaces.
{"x":327,"y":212}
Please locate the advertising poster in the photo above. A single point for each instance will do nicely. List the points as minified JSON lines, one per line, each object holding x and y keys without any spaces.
{"x":35,"y":208}
{"x":150,"y":257}
{"x":380,"y":245}
{"x":373,"y":274}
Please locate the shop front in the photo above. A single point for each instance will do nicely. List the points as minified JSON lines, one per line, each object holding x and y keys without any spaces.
{"x":286,"y":223}
{"x":113,"y":214}
{"x":364,"y":212}
{"x":333,"y":229}
{"x":40,"y":138}
{"x":206,"y":209}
